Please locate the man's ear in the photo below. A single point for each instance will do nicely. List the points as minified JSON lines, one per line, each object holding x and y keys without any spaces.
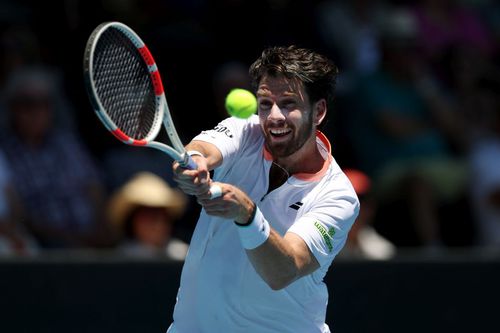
{"x":319,"y":111}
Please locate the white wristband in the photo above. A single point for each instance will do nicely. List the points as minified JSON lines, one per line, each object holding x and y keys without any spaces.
{"x":194,"y":152}
{"x":256,"y":233}
{"x":215,"y":191}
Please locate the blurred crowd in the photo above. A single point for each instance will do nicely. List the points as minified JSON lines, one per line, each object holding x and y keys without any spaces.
{"x":416,"y":121}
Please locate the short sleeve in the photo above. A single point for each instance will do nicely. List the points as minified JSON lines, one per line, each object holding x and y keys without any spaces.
{"x":229,"y":135}
{"x":325,"y":227}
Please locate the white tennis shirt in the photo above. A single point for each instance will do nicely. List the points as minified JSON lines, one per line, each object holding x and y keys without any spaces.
{"x":219,"y":289}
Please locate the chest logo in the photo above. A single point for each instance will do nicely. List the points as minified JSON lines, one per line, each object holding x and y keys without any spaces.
{"x":296,"y":205}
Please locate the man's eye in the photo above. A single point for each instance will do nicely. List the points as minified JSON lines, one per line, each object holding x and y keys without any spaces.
{"x":265,"y":105}
{"x":290,"y":105}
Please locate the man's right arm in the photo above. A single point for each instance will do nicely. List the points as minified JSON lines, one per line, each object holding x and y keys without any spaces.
{"x":211,"y":153}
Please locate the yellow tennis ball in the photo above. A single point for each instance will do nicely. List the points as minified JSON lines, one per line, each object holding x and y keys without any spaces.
{"x":241,"y":103}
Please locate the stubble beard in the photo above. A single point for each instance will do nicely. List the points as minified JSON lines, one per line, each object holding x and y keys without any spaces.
{"x":289,"y":147}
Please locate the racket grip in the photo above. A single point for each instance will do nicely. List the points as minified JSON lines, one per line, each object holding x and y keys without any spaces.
{"x":188,"y":162}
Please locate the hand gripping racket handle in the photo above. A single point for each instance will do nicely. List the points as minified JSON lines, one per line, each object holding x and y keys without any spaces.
{"x":189,"y":163}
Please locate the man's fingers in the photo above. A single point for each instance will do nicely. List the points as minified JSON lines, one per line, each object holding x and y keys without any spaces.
{"x":203,"y":176}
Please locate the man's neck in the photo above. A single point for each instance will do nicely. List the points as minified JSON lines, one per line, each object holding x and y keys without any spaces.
{"x":307,"y":159}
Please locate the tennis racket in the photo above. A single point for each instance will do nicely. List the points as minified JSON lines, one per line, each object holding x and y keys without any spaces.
{"x":126,"y":91}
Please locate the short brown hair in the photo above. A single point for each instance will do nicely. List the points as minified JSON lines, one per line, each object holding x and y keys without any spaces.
{"x":315,"y":71}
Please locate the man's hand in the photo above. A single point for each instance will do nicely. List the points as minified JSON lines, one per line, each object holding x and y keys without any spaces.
{"x":193,"y":182}
{"x":233,"y":204}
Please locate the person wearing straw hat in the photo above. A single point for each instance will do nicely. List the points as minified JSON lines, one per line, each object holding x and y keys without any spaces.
{"x":144,"y":210}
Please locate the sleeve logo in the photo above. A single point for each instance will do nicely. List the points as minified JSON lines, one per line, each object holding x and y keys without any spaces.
{"x":326,"y":234}
{"x":223,"y":129}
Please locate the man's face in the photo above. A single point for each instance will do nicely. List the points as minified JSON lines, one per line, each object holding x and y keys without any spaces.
{"x":286,"y":115}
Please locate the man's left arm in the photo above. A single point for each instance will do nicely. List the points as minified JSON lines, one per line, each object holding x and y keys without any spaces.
{"x":282,"y":260}
{"x":279,"y":260}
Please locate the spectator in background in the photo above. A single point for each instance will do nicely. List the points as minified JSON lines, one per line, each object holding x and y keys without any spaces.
{"x":445,"y":24}
{"x":13,"y":238}
{"x":364,"y":241}
{"x":484,"y":159}
{"x":19,"y":46}
{"x":460,"y":48}
{"x":401,"y":132}
{"x":58,"y":184}
{"x":350,"y":31}
{"x":122,"y":162}
{"x":143,"y":211}
{"x":489,"y":12}
{"x":467,"y":80}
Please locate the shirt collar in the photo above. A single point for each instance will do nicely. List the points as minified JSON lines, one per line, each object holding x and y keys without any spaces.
{"x":325,"y":149}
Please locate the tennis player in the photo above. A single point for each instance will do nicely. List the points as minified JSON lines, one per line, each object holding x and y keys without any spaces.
{"x":259,"y":252}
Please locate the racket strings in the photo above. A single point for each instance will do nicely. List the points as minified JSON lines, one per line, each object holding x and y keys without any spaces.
{"x":123,"y":83}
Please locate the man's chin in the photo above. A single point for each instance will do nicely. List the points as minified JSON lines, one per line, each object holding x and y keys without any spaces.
{"x":279,"y":150}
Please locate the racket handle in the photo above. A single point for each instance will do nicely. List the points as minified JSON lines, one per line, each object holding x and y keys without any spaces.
{"x":189,"y":163}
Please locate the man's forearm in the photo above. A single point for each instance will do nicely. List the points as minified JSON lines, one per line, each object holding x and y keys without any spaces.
{"x":208,"y":150}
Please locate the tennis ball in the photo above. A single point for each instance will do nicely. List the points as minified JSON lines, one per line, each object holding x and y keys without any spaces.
{"x":241,"y":103}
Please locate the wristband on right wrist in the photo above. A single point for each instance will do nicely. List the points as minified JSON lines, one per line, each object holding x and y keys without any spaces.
{"x":194,"y":152}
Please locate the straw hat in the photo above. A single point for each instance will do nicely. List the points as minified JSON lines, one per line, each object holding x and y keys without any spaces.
{"x":145,"y":189}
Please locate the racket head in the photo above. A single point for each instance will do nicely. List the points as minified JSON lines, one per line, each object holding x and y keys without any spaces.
{"x":124,"y":84}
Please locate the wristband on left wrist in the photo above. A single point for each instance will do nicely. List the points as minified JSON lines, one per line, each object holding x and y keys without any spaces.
{"x":255,"y":233}
{"x":251,"y":218}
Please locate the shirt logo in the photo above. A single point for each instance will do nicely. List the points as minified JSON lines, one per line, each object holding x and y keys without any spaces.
{"x":223,"y":129}
{"x":326,"y":234}
{"x":296,"y":205}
